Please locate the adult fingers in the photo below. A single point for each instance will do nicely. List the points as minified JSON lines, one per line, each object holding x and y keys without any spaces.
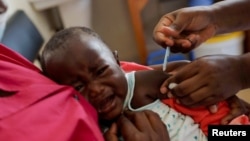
{"x":139,"y":119}
{"x":143,"y":125}
{"x":199,"y":98}
{"x":163,"y":36}
{"x":172,"y":68}
{"x":111,"y":134}
{"x":165,"y":30}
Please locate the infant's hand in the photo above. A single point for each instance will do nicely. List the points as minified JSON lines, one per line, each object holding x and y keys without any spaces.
{"x":238,"y":107}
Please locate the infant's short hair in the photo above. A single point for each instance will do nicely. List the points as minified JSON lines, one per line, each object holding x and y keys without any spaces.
{"x":61,"y":39}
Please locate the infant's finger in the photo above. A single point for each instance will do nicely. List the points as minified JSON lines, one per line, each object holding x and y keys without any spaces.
{"x":232,"y":114}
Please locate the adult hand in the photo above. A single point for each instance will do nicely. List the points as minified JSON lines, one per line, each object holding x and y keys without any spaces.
{"x":185,"y":29}
{"x":138,"y":126}
{"x":208,"y":80}
{"x":172,"y":68}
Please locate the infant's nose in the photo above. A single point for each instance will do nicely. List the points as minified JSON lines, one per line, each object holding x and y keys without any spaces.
{"x":95,"y":89}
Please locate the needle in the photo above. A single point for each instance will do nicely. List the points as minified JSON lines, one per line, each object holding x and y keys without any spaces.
{"x":165,"y":61}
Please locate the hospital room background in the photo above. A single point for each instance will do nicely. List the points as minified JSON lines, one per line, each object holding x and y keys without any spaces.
{"x":125,"y":25}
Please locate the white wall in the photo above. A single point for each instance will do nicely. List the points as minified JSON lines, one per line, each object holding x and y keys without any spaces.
{"x":111,"y":20}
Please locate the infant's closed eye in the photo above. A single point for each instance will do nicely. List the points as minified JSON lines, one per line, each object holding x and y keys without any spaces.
{"x":79,"y":88}
{"x":102,"y":70}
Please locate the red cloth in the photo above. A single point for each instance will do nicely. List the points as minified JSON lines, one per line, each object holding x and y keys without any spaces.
{"x":39,"y":109}
{"x":131,"y":66}
{"x":200,"y":115}
{"x":240,"y":120}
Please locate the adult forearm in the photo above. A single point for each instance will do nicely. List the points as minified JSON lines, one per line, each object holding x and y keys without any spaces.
{"x":231,"y":15}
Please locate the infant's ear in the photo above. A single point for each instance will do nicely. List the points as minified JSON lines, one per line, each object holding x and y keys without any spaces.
{"x":115,"y":53}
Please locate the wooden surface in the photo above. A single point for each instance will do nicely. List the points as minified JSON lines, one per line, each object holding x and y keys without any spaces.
{"x":135,"y":8}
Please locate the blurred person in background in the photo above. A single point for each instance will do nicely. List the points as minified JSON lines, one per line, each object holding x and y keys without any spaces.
{"x":3,"y":17}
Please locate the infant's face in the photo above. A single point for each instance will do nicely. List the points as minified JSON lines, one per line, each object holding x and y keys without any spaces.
{"x":93,"y":72}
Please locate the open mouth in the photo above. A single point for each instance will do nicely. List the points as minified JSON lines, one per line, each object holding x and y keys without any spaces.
{"x":107,"y":104}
